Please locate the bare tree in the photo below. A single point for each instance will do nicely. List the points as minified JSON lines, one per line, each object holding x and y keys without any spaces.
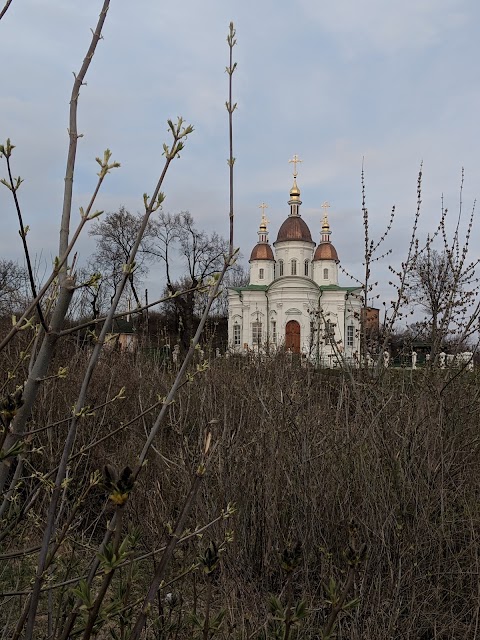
{"x":443,"y":283}
{"x":444,"y":291}
{"x":92,"y":294}
{"x":116,"y":235}
{"x":236,"y":276}
{"x":202,"y":255}
{"x":13,"y":287}
{"x":430,"y":282}
{"x":431,"y":277}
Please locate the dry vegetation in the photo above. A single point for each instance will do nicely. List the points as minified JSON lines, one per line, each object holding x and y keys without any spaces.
{"x":304,"y":455}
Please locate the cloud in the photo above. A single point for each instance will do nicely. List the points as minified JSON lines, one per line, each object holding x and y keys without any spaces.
{"x":394,"y":83}
{"x":386,"y":27}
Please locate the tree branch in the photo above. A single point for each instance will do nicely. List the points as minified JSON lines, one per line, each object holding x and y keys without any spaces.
{"x":23,"y":236}
{"x":5,"y":8}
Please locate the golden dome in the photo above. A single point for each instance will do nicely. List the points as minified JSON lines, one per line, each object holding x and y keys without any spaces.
{"x":262,"y":251}
{"x":294,"y":228}
{"x":326,"y":251}
{"x":295,"y":191}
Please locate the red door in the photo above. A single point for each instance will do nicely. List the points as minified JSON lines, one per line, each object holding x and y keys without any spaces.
{"x":292,"y":336}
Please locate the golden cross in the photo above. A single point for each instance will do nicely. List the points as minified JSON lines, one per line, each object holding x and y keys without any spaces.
{"x":263,"y":206}
{"x":325,"y":207}
{"x":295,"y":160}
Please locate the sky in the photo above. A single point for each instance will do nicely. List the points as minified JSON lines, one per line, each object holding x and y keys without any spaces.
{"x":390,"y":84}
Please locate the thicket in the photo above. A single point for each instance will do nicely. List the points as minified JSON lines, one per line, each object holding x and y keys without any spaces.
{"x":305,"y":458}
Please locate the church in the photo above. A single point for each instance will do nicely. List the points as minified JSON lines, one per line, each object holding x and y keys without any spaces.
{"x":293,"y":300}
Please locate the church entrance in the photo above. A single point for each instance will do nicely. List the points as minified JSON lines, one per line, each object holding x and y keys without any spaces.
{"x":292,"y":336}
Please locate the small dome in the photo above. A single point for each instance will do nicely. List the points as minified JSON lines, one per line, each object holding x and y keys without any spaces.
{"x":294,"y":228}
{"x":295,"y":191}
{"x":326,"y":251}
{"x":262,"y":251}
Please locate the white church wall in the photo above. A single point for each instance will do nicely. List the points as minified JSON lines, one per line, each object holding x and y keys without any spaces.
{"x":299,"y":299}
{"x":262,"y":271}
{"x":291,"y":299}
{"x":353,"y":306}
{"x":273,"y":329}
{"x":257,"y":329}
{"x":235,"y":319}
{"x":328,"y":345}
{"x":293,"y":250}
{"x":246,"y":325}
{"x":254,"y":314}
{"x":235,"y":337}
{"x":322,"y":268}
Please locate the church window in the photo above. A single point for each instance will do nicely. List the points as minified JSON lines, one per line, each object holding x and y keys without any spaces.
{"x":236,"y":335}
{"x":306,"y":268}
{"x":329,"y":330}
{"x":280,"y":267}
{"x":350,"y":335}
{"x":261,"y":274}
{"x":256,"y":333}
{"x":274,"y":331}
{"x":294,"y":267}
{"x":325,"y":274}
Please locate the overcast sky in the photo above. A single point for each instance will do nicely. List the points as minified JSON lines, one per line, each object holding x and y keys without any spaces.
{"x":395,"y":83}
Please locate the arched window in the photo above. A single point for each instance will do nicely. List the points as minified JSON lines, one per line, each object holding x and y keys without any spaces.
{"x":350,"y":335}
{"x":329,"y":330}
{"x":236,"y":335}
{"x":261,"y":274}
{"x":274,"y":331}
{"x":293,"y":267}
{"x":280,"y":267}
{"x":325,"y":274}
{"x":306,"y":268}
{"x":256,"y":333}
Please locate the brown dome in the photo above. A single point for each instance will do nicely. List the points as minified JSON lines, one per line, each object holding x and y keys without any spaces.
{"x":262,"y":251}
{"x":294,"y":228}
{"x":326,"y":251}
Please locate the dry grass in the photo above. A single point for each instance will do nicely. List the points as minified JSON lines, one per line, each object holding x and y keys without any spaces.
{"x":302,"y":453}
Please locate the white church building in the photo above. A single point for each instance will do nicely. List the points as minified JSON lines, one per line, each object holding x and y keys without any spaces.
{"x":294,"y":300}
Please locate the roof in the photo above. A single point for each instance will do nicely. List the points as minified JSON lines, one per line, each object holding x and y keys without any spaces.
{"x":326,"y":251}
{"x":122,"y":325}
{"x":262,"y":251}
{"x":251,"y":287}
{"x":294,"y":228}
{"x":278,"y":281}
{"x":336,"y":287}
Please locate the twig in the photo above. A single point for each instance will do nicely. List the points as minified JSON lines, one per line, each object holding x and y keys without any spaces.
{"x":5,"y":8}
{"x":65,"y":285}
{"x":23,"y":236}
{"x":95,"y":321}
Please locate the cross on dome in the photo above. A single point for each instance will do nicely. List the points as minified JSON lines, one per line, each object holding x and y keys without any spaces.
{"x":325,"y":233}
{"x":263,"y":231}
{"x":264,"y":221}
{"x":325,"y":207}
{"x":295,"y":161}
